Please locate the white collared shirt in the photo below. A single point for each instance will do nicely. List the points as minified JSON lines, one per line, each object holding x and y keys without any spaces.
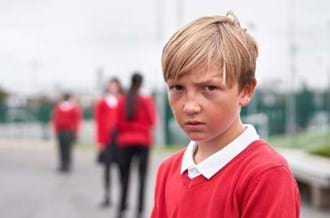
{"x":111,"y":100}
{"x":214,"y":163}
{"x":66,"y":105}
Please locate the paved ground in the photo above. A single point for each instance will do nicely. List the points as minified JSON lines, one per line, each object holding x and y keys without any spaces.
{"x":31,"y":188}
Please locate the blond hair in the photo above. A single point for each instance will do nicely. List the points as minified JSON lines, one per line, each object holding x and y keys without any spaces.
{"x":216,"y":40}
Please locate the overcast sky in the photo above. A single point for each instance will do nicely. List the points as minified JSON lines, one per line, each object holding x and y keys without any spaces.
{"x":62,"y":43}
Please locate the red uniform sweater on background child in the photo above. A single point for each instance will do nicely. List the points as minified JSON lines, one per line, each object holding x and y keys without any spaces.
{"x":67,"y":116}
{"x":248,"y":180}
{"x":105,"y":119}
{"x":137,"y":131}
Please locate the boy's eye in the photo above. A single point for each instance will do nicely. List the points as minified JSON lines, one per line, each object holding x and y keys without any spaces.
{"x":176,"y":88}
{"x":210,"y":88}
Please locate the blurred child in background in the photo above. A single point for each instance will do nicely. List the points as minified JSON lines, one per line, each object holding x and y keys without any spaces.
{"x":66,"y":121}
{"x":136,"y":117}
{"x":105,"y":123}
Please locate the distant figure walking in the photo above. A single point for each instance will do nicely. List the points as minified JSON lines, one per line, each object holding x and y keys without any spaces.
{"x":66,"y":121}
{"x":136,"y":117}
{"x":105,"y":122}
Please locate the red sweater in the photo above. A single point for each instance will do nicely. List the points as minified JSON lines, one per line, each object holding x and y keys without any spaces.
{"x":66,"y":119}
{"x":256,"y":183}
{"x":139,"y":130}
{"x":105,"y":120}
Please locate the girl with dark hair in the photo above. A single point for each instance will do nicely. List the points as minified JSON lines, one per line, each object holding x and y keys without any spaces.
{"x":136,"y":117}
{"x":105,"y":123}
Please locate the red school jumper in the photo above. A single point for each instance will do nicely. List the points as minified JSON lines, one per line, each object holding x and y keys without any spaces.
{"x":67,"y":119}
{"x":139,"y":130}
{"x":105,"y":121}
{"x":256,"y":183}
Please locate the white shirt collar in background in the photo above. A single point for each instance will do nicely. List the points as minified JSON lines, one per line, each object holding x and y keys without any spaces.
{"x":111,"y":100}
{"x":66,"y":105}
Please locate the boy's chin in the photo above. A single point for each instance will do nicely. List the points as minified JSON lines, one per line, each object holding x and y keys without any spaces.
{"x":197,"y":137}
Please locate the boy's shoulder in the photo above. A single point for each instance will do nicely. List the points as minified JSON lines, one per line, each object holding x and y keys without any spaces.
{"x":174,"y":158}
{"x":261,"y":156}
{"x":173,"y":162}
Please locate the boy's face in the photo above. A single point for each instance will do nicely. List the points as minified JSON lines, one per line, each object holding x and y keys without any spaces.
{"x":203,"y":106}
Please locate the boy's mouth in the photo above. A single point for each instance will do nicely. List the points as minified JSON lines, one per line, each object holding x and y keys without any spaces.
{"x":194,"y":125}
{"x":193,"y":122}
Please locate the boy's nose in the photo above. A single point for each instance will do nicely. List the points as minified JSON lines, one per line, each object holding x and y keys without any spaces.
{"x":191,"y":107}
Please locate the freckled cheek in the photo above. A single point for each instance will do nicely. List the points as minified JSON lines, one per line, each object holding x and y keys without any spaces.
{"x":173,"y":103}
{"x":176,"y":107}
{"x":172,"y":98}
{"x":221,"y":116}
{"x":217,"y":114}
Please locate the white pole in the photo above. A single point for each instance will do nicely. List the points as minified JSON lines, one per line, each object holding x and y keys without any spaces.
{"x":291,"y":103}
{"x":180,"y":10}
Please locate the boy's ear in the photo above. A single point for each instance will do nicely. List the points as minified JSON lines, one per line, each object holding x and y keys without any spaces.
{"x":247,"y":92}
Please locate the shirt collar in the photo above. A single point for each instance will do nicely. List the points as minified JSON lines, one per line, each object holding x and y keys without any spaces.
{"x":66,"y":105}
{"x":111,"y":100}
{"x":221,"y":158}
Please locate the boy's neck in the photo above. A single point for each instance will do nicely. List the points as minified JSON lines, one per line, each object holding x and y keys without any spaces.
{"x":206,"y":149}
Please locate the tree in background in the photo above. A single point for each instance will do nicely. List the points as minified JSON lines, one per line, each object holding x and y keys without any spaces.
{"x":304,"y":107}
{"x":326,"y":97}
{"x":271,"y":103}
{"x":44,"y":111}
{"x":3,"y":107}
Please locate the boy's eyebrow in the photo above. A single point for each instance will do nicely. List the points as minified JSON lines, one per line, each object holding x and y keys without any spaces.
{"x":208,"y":81}
{"x":171,"y":81}
{"x":198,"y":83}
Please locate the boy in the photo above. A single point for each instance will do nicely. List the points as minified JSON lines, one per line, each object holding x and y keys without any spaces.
{"x":226,"y":170}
